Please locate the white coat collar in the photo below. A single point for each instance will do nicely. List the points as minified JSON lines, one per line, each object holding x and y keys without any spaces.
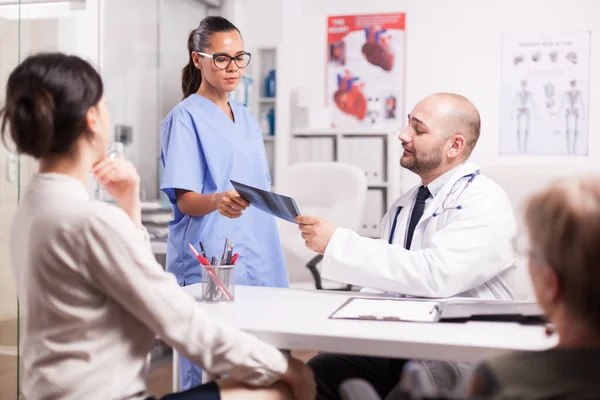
{"x":438,"y":183}
{"x":448,"y":179}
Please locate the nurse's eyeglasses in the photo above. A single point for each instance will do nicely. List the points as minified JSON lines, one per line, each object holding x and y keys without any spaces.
{"x":222,"y":61}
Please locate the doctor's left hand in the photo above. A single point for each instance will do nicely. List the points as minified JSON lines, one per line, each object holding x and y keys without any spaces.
{"x":316,"y":232}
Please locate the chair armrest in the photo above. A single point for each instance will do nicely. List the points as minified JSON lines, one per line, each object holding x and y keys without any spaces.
{"x":312,"y":267}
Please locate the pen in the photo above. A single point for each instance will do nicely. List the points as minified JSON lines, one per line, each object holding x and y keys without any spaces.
{"x":212,"y":274}
{"x":202,"y":260}
{"x":202,"y":249}
{"x":223,"y":259}
{"x":234,"y":259}
{"x":229,"y":254}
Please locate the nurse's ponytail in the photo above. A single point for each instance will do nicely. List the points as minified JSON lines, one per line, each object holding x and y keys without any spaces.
{"x":199,"y":40}
{"x":190,"y":75}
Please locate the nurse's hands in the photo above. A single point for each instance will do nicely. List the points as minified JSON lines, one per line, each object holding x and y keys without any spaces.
{"x":122,"y":181}
{"x":316,"y":232}
{"x":300,"y":379}
{"x":229,"y":204}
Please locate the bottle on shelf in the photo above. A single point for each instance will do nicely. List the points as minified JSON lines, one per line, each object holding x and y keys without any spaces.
{"x":270,"y":84}
{"x":271,"y":117}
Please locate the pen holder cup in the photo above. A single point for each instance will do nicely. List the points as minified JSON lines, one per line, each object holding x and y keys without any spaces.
{"x":218,"y":283}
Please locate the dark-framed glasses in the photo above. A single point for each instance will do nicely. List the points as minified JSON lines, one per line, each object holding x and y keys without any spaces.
{"x":222,"y":61}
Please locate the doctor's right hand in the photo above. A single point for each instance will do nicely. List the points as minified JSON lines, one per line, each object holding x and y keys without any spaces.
{"x":229,"y":204}
{"x":300,"y":379}
{"x":316,"y":232}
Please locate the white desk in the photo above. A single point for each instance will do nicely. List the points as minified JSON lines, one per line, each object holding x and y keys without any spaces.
{"x":298,"y":320}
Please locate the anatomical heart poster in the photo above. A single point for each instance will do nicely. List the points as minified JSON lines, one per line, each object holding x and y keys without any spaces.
{"x":545,"y":93}
{"x":365,"y":70}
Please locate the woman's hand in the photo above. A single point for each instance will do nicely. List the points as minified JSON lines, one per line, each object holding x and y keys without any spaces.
{"x":229,"y":204}
{"x":122,"y":182}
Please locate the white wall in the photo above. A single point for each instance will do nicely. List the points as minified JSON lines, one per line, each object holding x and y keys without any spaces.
{"x":129,"y":66}
{"x":177,"y":19}
{"x":260,"y":22}
{"x":451,"y":46}
{"x":143,"y":49}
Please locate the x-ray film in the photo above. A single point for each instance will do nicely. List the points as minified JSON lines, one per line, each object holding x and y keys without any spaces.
{"x":280,"y":206}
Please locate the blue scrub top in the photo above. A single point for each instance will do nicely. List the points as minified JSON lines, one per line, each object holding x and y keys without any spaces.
{"x":202,"y":149}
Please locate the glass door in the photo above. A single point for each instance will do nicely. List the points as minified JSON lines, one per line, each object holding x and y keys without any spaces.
{"x":28,"y":27}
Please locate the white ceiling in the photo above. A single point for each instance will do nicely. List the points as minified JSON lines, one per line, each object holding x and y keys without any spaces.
{"x":27,"y":2}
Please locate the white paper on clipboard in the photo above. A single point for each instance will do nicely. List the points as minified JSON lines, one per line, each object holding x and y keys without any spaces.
{"x":392,"y":310}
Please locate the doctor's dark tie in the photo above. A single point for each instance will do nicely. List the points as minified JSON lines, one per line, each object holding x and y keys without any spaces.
{"x":417,"y":212}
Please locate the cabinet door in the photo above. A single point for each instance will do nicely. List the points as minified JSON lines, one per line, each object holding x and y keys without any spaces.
{"x":300,"y":150}
{"x":373,"y":213}
{"x":313,"y":149}
{"x":321,"y":149}
{"x":367,"y":153}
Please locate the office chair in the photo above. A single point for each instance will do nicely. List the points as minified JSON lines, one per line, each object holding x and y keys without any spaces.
{"x":519,"y":182}
{"x":359,"y":389}
{"x":331,"y":190}
{"x":416,"y":383}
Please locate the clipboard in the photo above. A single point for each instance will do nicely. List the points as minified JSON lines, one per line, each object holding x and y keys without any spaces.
{"x":278,"y":205}
{"x":447,"y":310}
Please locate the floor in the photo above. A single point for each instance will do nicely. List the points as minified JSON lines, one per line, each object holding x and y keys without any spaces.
{"x":159,"y":378}
{"x":8,"y":333}
{"x":8,"y":377}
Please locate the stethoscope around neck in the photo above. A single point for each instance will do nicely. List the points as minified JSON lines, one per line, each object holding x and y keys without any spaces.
{"x":454,"y":194}
{"x":449,"y":201}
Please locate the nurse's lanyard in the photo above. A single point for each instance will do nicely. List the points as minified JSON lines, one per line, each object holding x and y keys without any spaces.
{"x":449,"y":202}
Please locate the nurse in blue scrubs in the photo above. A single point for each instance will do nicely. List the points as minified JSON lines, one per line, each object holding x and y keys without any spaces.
{"x":206,"y":141}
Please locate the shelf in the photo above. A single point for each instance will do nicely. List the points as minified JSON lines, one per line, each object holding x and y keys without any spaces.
{"x":267,"y":100}
{"x":315,"y":134}
{"x":269,"y":138}
{"x":382,"y":185}
{"x":343,"y":132}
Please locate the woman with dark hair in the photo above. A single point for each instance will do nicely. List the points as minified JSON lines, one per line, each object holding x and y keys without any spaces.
{"x":206,"y":141}
{"x":93,"y":296}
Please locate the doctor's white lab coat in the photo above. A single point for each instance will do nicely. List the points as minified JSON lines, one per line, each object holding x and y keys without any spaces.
{"x":460,"y":252}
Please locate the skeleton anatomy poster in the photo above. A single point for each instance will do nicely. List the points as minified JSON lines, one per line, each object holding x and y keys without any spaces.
{"x":545,"y":93}
{"x":365,"y":70}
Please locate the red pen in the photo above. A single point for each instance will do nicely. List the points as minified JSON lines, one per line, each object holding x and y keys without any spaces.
{"x":235,"y":257}
{"x":202,"y":260}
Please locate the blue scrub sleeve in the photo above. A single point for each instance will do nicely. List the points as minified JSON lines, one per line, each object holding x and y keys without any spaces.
{"x":181,"y":155}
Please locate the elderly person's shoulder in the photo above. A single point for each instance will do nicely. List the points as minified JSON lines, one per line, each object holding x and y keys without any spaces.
{"x":556,"y":373}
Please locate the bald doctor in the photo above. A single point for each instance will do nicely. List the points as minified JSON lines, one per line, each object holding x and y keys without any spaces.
{"x":451,"y":235}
